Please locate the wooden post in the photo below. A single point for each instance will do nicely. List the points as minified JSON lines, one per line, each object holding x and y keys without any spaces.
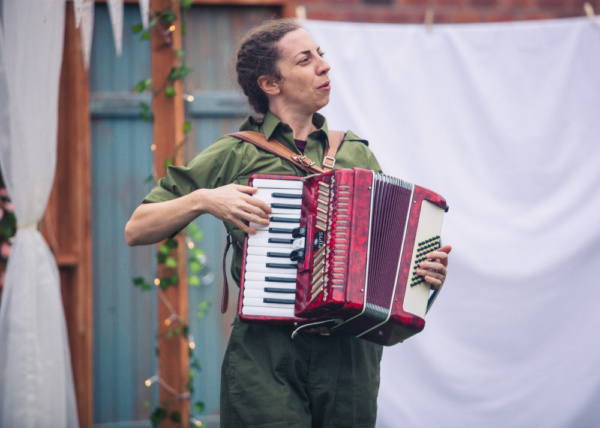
{"x":67,"y":221}
{"x":173,"y":350}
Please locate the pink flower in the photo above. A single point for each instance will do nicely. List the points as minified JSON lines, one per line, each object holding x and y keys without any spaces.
{"x":5,"y":250}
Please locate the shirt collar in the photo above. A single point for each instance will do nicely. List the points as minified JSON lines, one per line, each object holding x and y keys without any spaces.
{"x":270,"y":126}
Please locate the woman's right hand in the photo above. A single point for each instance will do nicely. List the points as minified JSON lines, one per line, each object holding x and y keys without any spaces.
{"x":234,"y":203}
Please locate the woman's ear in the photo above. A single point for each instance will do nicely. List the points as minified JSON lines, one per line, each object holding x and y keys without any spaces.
{"x":269,"y":85}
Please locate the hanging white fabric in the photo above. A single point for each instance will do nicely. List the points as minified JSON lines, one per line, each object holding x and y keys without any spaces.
{"x":145,"y":13}
{"x":86,"y":28}
{"x":115,"y":9}
{"x":504,"y":121}
{"x":36,"y":384}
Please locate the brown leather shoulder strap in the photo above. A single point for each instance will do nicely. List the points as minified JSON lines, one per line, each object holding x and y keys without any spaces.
{"x":335,"y":141}
{"x":278,"y":149}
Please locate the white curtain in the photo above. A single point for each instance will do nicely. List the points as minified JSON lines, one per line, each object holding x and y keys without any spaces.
{"x":504,"y":121}
{"x":36,"y":386}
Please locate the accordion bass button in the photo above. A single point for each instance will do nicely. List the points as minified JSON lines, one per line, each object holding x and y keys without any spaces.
{"x":297,"y":255}
{"x":299,"y":232}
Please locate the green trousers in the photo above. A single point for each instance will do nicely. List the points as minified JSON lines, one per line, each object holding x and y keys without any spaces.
{"x":270,"y":380}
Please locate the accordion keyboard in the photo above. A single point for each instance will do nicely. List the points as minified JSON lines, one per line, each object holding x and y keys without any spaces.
{"x":270,"y":275}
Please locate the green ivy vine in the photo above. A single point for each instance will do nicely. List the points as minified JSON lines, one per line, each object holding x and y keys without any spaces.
{"x":162,"y":21}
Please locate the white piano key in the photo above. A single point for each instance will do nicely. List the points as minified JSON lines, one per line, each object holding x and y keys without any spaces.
{"x":277,"y":184}
{"x":255,"y":293}
{"x":261,"y":285}
{"x":259,"y":301}
{"x":260,"y":276}
{"x":263,"y":251}
{"x":263,"y":193}
{"x":270,"y":312}
{"x":274,"y":223}
{"x":256,"y":267}
{"x":263,"y":259}
{"x":263,"y":241}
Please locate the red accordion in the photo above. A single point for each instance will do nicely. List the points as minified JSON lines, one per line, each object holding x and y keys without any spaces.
{"x":341,"y":249}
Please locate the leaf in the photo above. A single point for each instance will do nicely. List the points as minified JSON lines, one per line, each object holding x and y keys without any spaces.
{"x":170,"y":91}
{"x":136,"y":28}
{"x":176,"y":416}
{"x":164,"y":283}
{"x":187,"y":126}
{"x":145,"y":35}
{"x":142,"y":283}
{"x":195,"y":265}
{"x":203,"y":309}
{"x":141,"y":86}
{"x":171,"y":262}
{"x":186,"y":4}
{"x":194,"y":281}
{"x":169,"y":16}
{"x":169,"y":162}
{"x":197,"y":236}
{"x":198,"y":406}
{"x":158,"y":416}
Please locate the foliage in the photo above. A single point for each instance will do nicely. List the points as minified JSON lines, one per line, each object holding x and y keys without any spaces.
{"x":8,"y":228}
{"x":164,"y":21}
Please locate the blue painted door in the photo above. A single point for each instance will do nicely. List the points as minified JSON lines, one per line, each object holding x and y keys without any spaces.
{"x":124,"y":316}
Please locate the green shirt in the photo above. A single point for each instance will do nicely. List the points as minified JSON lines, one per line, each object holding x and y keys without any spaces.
{"x":230,"y":160}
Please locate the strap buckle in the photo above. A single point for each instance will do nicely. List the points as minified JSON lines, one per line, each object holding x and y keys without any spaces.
{"x":301,"y":160}
{"x":328,"y":158}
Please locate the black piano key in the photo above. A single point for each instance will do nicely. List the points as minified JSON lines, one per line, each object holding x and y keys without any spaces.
{"x":279,"y":279}
{"x":280,"y":230}
{"x":286,"y":195}
{"x":278,"y":255}
{"x":279,"y":301}
{"x":282,"y":265}
{"x":280,"y":290}
{"x":280,"y":241}
{"x":275,"y":219}
{"x":286,"y":206}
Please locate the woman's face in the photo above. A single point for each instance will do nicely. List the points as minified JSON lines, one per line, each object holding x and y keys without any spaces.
{"x":304,"y":84}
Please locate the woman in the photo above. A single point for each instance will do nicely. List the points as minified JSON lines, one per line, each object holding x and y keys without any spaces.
{"x":269,"y":379}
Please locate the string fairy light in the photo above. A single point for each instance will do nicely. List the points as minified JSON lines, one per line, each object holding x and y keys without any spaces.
{"x":191,"y":342}
{"x":157,"y":379}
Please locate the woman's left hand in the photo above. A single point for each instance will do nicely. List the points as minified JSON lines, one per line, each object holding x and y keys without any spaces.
{"x":434,"y":269}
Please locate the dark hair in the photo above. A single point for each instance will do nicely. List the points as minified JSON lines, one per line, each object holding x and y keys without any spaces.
{"x":257,"y":56}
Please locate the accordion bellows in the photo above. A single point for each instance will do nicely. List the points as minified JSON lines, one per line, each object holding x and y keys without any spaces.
{"x":357,"y":238}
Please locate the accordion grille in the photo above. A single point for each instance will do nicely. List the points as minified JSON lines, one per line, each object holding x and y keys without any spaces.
{"x":390,"y":207}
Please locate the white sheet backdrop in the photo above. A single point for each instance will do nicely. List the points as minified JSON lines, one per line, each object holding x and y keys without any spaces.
{"x":36,"y":382}
{"x":504,"y":121}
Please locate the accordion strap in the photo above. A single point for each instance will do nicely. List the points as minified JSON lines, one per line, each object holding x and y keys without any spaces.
{"x":275,"y":147}
{"x":335,"y":141}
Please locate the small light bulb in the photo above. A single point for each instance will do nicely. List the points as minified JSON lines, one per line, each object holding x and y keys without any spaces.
{"x":156,"y":282}
{"x":172,"y":28}
{"x":153,"y":147}
{"x":150,"y":381}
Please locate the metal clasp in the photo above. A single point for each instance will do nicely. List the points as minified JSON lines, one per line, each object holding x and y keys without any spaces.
{"x":305,"y":163}
{"x":330,"y":159}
